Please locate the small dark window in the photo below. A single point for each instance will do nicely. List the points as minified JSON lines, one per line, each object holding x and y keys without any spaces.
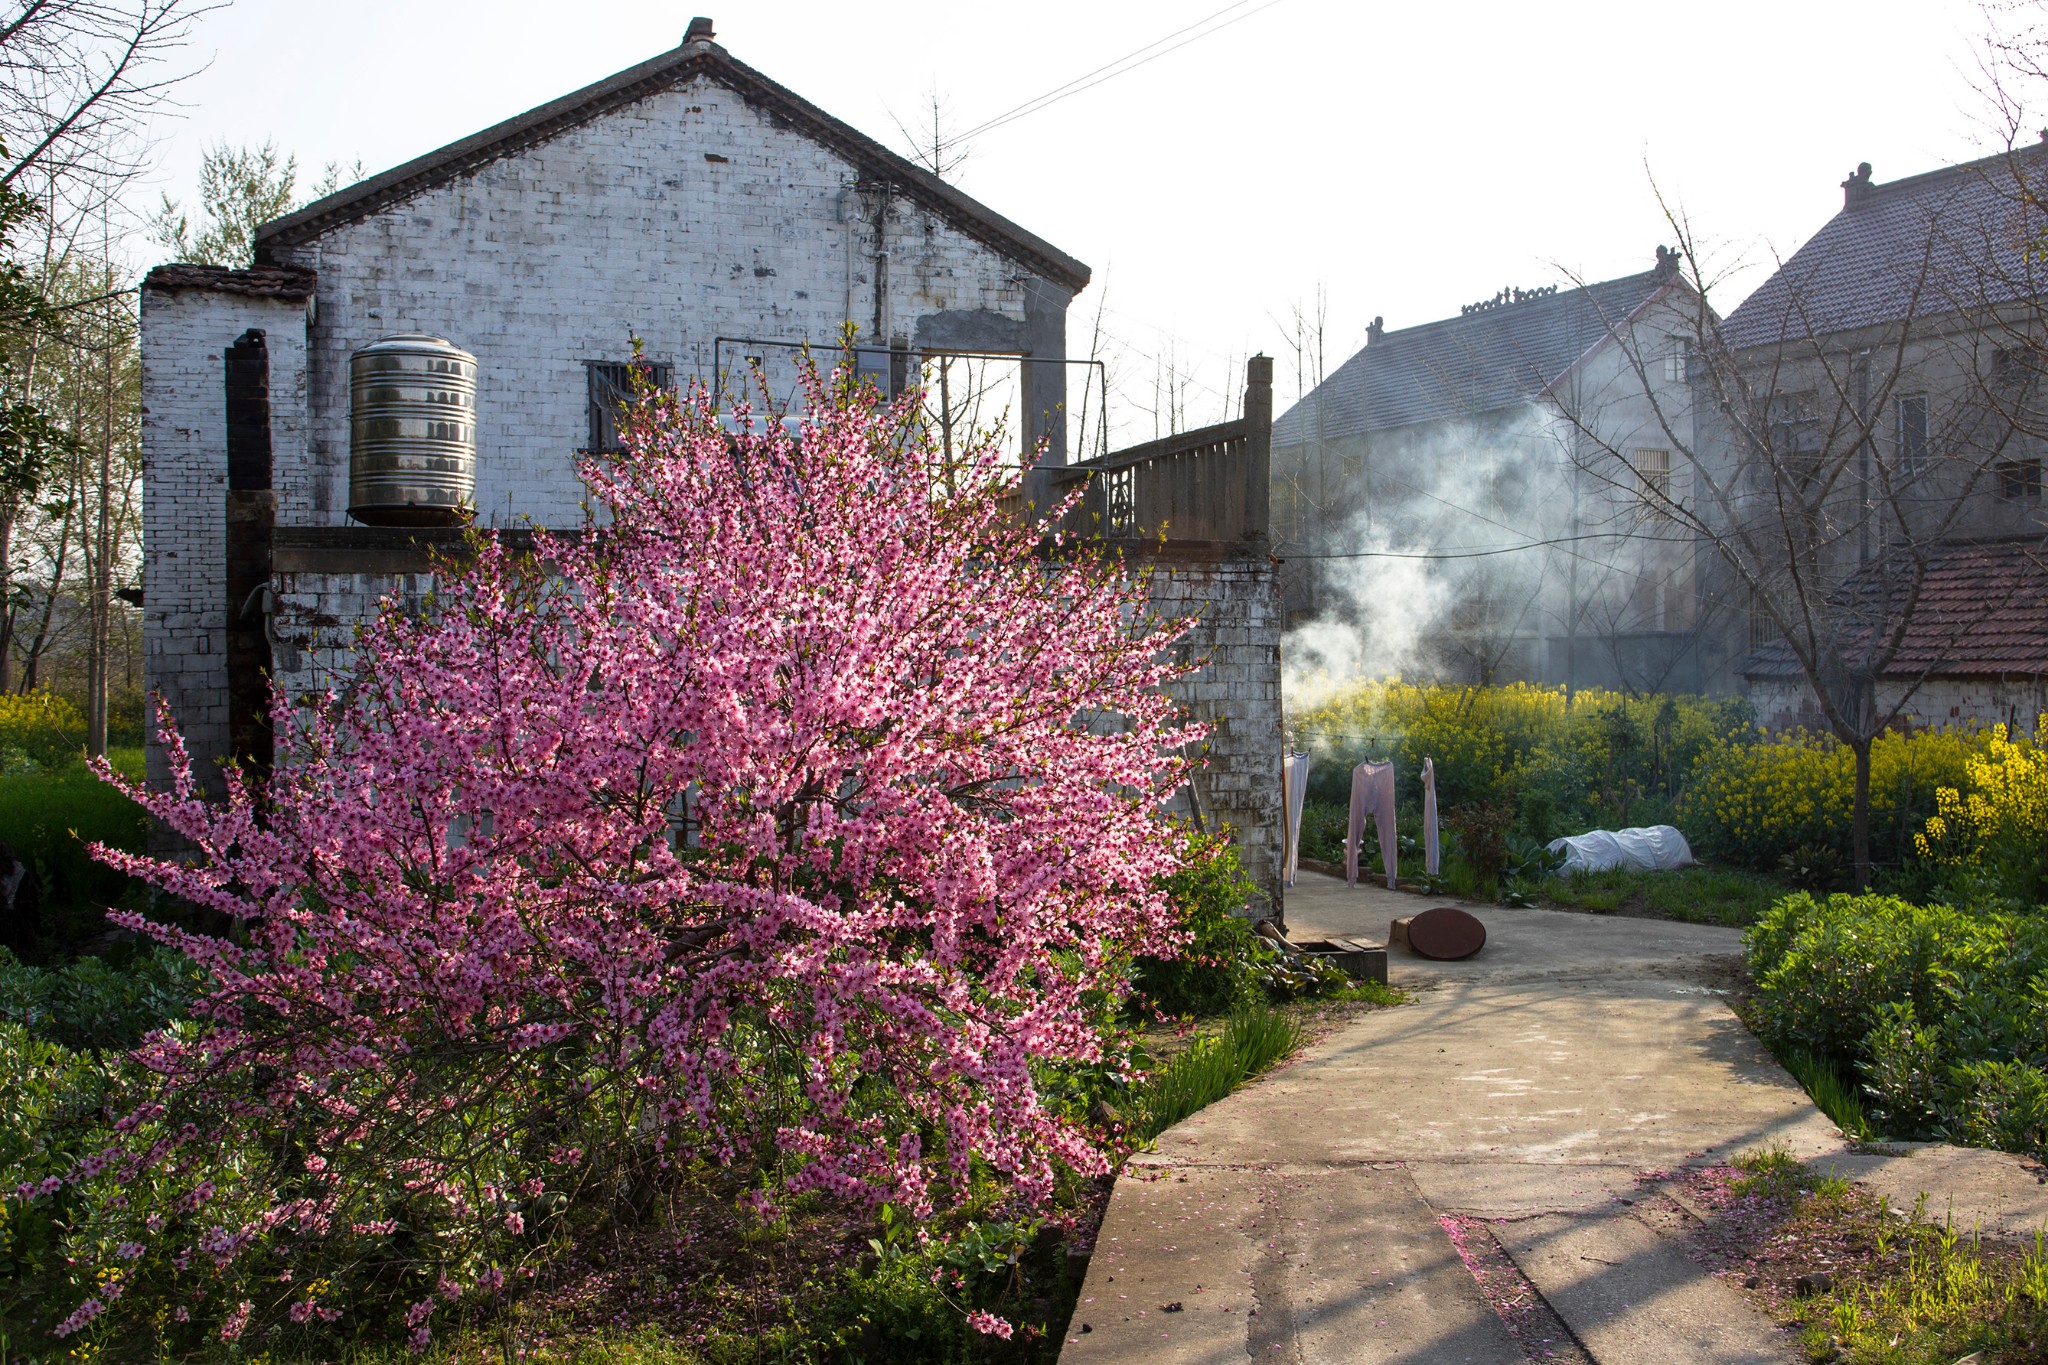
{"x":1912,"y":433}
{"x":611,"y":385}
{"x":2020,"y":480}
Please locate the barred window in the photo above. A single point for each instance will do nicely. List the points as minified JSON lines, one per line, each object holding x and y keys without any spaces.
{"x":611,"y":385}
{"x":1120,"y":503}
{"x":1762,"y":630}
{"x":1653,"y":469}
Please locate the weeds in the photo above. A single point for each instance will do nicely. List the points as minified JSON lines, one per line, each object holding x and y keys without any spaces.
{"x":1212,"y":1067}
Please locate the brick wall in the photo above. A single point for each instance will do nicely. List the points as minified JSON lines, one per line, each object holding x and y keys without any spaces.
{"x":1236,"y":693}
{"x":1941,"y":702}
{"x":684,"y":217}
{"x":185,"y":478}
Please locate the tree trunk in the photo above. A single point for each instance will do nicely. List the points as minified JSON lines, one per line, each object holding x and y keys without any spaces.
{"x":1859,"y":820}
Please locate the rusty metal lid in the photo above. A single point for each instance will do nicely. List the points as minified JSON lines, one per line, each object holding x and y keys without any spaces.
{"x":1446,"y":934}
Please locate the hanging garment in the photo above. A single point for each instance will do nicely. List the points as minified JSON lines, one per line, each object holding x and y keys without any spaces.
{"x":1293,"y":793}
{"x":1431,"y":848}
{"x":1372,"y":793}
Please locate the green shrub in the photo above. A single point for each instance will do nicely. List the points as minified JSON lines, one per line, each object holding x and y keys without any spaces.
{"x":53,"y":1107}
{"x":1940,"y":1015}
{"x":96,"y":1004}
{"x":1214,"y":972}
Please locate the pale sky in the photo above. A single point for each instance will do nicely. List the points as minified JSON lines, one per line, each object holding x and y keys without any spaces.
{"x":1406,"y":159}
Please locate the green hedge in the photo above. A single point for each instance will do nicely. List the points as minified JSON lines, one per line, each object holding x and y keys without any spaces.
{"x":1940,"y":1014}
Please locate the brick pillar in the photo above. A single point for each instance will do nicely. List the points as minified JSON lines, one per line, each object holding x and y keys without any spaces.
{"x":1258,"y":422}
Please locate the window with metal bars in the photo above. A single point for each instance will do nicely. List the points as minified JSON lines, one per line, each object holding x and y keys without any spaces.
{"x":1120,"y":503}
{"x":611,"y":385}
{"x":1653,"y":469}
{"x":1762,"y":630}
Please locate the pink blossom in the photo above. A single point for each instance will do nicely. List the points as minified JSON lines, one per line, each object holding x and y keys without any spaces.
{"x":983,"y":1321}
{"x":800,"y":729}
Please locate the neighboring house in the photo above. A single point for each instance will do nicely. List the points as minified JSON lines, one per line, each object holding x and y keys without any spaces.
{"x":1899,"y":356}
{"x":1496,"y":429}
{"x":1968,"y":655}
{"x":690,"y":203}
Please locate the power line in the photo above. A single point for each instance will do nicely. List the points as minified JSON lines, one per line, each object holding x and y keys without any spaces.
{"x":1496,"y":550}
{"x":1112,"y":70}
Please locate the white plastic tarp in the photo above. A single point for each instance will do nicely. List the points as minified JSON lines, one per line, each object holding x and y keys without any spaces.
{"x":1652,"y":848}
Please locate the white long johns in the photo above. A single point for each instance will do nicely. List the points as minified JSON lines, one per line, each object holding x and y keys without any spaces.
{"x":1372,"y":793}
{"x":1293,"y":792}
{"x":1431,"y":849}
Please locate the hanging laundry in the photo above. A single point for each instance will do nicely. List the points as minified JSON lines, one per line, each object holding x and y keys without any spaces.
{"x":1372,"y":793}
{"x":1293,"y":793}
{"x":1431,"y":849}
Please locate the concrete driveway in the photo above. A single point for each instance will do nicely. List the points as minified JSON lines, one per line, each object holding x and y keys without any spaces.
{"x":1299,"y":1219}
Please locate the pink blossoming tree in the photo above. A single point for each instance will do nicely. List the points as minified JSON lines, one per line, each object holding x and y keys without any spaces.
{"x":797,"y":816}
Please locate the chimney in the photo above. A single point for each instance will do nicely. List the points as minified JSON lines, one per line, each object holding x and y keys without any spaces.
{"x":699,"y":32}
{"x":1375,"y":330}
{"x":1667,"y":264}
{"x":1857,"y":187}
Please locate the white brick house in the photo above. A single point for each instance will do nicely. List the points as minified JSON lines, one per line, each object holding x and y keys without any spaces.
{"x":687,"y":202}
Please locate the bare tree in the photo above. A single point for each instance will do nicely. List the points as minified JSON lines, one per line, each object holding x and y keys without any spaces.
{"x":1833,"y":447}
{"x":78,"y":81}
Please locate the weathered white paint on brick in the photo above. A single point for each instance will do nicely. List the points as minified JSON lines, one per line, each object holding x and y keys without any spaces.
{"x":1236,"y":693}
{"x":185,"y":477}
{"x":1961,"y":702}
{"x":684,"y":217}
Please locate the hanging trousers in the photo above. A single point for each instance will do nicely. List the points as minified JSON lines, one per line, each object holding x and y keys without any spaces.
{"x":1372,"y":793}
{"x":1293,"y":792}
{"x":1431,"y":850}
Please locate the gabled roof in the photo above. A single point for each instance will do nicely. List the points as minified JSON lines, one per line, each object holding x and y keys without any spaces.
{"x":698,"y":56}
{"x":1982,"y":613}
{"x":1948,"y":240}
{"x":1497,"y":356}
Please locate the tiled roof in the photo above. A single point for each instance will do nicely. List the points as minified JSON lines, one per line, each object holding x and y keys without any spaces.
{"x":263,"y":281}
{"x":1982,"y":612}
{"x":1929,"y":244}
{"x":1478,"y":362}
{"x":695,"y":57}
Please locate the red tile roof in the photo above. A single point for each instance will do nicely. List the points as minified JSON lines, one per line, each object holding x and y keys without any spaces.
{"x":1982,"y":611}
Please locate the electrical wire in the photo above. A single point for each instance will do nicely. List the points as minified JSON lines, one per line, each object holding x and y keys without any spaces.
{"x":1111,"y":70}
{"x":1629,"y":536}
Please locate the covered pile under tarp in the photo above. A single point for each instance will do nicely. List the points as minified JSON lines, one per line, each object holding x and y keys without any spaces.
{"x":1652,"y":848}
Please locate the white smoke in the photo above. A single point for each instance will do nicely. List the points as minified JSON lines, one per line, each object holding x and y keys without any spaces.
{"x":1405,"y":584}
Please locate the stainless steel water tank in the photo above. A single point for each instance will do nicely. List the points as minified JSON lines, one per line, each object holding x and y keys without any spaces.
{"x":412,"y":432}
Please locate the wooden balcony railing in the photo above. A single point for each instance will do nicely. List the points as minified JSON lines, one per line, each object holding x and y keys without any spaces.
{"x":1210,"y":486}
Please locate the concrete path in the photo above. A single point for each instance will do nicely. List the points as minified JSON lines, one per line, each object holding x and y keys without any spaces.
{"x":1298,"y":1220}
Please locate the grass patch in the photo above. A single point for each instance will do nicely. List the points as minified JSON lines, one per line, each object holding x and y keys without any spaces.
{"x":1834,"y":1094}
{"x":1211,"y":1067}
{"x":1862,"y":1283}
{"x":48,"y":818}
{"x":1694,"y":895}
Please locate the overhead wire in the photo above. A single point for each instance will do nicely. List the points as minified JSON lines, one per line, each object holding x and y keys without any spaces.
{"x":1121,"y":66}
